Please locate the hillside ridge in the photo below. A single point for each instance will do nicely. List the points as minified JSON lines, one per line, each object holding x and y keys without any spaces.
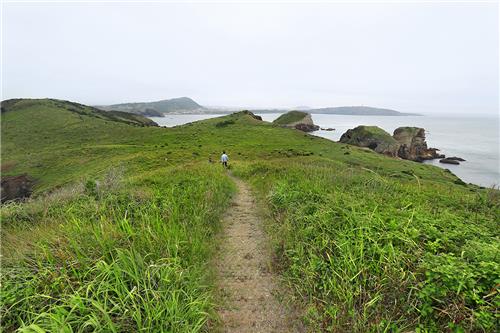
{"x":123,"y":221}
{"x":19,"y":104}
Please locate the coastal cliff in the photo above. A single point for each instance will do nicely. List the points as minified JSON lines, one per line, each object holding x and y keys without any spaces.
{"x":298,"y":120}
{"x":407,"y":142}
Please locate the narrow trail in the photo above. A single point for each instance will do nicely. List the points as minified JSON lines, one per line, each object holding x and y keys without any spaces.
{"x":246,"y":284}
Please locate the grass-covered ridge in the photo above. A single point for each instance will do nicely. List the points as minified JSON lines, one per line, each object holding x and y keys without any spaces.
{"x":366,"y":242}
{"x":290,"y":118}
{"x":375,"y":132}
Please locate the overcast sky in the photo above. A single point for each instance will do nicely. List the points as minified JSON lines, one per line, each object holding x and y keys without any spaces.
{"x":427,"y":58}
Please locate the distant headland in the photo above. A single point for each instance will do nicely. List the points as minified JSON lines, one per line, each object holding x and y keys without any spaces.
{"x":186,"y":105}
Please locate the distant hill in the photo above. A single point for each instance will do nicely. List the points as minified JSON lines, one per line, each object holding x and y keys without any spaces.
{"x":157,"y":109}
{"x":340,"y":110}
{"x":188,"y":106}
{"x":360,"y":111}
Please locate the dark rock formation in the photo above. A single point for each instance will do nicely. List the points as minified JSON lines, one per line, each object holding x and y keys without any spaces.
{"x":298,"y":120}
{"x":454,"y":158}
{"x":16,"y":187}
{"x":449,"y":161}
{"x":372,"y":137}
{"x":413,"y":146}
{"x":307,"y":127}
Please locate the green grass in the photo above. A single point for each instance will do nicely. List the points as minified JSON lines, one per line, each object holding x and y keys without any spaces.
{"x":290,"y":117}
{"x":366,"y":242}
{"x":119,"y":259}
{"x":367,"y":252}
{"x":373,"y":132}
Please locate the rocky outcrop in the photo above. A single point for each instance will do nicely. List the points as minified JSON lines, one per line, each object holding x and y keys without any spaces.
{"x":413,"y":145}
{"x":251,"y":114}
{"x":298,"y":120}
{"x":306,"y":127}
{"x":407,"y":142}
{"x":454,"y":158}
{"x":16,"y":187}
{"x":449,"y":161}
{"x":372,"y":137}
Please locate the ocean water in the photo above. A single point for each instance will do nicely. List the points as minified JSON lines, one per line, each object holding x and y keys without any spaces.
{"x":476,"y":139}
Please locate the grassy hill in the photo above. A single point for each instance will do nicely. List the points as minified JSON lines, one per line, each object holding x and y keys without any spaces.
{"x":119,"y":235}
{"x":290,"y":117}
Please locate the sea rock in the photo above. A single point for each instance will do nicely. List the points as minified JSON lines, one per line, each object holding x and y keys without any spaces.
{"x":372,"y":137}
{"x":298,"y":120}
{"x":328,"y":129}
{"x":454,"y":158}
{"x":307,"y":127}
{"x":449,"y":161}
{"x":413,"y":145}
{"x":16,"y":187}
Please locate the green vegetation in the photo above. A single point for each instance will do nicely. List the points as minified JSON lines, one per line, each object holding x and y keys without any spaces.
{"x":409,"y":131}
{"x":290,"y":117}
{"x":119,"y":234}
{"x":82,"y":110}
{"x":368,"y":252}
{"x":113,"y":256}
{"x":130,"y":118}
{"x":372,"y":137}
{"x":375,"y":132}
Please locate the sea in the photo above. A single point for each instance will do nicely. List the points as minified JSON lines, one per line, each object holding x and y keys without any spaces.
{"x":475,"y":139}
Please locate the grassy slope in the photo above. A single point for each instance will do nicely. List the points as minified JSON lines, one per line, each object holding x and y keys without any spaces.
{"x":367,"y":252}
{"x":375,"y":132}
{"x":289,"y":117}
{"x":365,"y":240}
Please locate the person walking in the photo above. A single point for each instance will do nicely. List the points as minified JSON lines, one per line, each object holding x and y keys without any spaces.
{"x":224,"y":158}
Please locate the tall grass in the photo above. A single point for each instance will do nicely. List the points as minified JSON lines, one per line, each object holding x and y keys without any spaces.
{"x":368,"y":243}
{"x":129,"y":259}
{"x":371,"y":253}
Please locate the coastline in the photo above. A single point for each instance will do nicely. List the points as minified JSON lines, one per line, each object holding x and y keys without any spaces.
{"x":474,"y":139}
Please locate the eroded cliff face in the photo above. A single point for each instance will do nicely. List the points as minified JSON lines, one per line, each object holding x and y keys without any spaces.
{"x":298,"y":120}
{"x":16,"y":187}
{"x":413,"y":145}
{"x":306,"y":124}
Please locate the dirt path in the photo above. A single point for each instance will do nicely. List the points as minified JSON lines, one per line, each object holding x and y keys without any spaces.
{"x":246,"y":284}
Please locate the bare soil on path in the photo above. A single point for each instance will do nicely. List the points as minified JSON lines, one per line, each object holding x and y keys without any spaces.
{"x":247,"y":286}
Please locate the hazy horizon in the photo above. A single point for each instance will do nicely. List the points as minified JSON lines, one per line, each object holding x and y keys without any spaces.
{"x":419,"y":58}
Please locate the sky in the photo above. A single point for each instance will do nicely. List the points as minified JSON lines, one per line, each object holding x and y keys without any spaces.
{"x":428,"y":58}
